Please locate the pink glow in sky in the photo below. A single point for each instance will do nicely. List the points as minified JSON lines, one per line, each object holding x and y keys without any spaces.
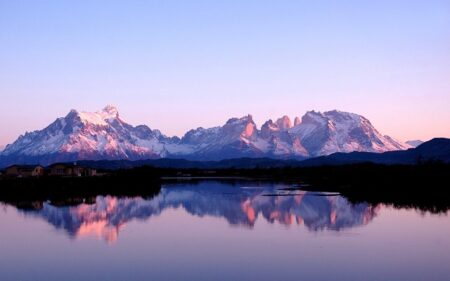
{"x":186,"y":64}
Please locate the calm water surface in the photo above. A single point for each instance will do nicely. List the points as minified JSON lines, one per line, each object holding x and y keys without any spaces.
{"x":223,"y":231}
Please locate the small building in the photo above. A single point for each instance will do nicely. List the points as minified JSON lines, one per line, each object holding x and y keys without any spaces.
{"x":71,"y":170}
{"x":25,"y":171}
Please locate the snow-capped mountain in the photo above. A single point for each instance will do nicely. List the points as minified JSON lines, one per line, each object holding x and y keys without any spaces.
{"x":337,"y":131}
{"x":237,"y":138}
{"x":89,"y":135}
{"x":104,"y":135}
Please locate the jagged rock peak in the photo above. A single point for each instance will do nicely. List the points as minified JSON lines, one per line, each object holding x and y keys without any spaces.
{"x":313,"y":117}
{"x":284,"y":123}
{"x":111,"y":110}
{"x":245,"y":119}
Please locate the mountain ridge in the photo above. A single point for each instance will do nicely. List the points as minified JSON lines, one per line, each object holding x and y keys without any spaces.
{"x":435,"y":150}
{"x":103,"y":135}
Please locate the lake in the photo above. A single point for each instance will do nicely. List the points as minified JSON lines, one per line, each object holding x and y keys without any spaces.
{"x":222,"y":230}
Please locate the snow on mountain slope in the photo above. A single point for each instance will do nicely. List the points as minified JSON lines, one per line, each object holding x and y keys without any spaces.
{"x":104,"y":135}
{"x":237,"y":138}
{"x":86,"y":135}
{"x":337,"y":131}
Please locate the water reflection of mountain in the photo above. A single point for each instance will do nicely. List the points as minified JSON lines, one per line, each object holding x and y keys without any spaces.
{"x":240,"y":206}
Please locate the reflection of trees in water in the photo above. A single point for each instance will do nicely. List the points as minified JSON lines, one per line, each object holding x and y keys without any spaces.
{"x":239,"y":206}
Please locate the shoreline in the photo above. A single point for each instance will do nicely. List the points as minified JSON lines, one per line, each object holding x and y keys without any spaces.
{"x":424,"y":186}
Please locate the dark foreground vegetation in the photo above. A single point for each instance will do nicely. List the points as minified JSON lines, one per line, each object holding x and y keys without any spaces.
{"x":72,"y":190}
{"x":425,"y":186}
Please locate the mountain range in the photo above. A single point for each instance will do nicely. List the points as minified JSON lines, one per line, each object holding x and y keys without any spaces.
{"x":435,"y":150}
{"x":103,"y":135}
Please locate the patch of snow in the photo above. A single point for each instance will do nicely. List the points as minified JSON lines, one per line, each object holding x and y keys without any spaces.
{"x":179,"y":149}
{"x":153,"y":144}
{"x":100,"y":118}
{"x":261,"y":145}
{"x":93,"y":118}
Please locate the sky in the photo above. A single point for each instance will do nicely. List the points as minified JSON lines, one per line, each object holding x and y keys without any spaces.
{"x":177,"y":65}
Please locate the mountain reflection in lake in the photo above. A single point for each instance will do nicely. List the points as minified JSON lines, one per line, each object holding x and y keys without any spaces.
{"x":240,"y":206}
{"x":221,"y":231}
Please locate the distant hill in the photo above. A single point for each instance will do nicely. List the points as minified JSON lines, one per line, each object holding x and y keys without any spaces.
{"x":237,"y":163}
{"x":437,"y":149}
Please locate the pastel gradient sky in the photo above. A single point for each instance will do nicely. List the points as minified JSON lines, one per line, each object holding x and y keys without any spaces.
{"x":175,"y":65}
